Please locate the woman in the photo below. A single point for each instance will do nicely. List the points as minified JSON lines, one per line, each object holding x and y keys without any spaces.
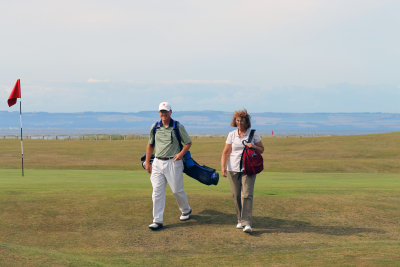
{"x":242,"y":185}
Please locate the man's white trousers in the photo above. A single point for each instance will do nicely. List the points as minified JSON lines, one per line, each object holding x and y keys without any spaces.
{"x":171,"y":172}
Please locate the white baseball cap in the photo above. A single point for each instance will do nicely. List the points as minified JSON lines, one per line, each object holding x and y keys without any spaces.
{"x":164,"y":106}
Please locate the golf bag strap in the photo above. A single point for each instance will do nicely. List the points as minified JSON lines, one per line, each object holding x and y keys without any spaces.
{"x":154,"y":130}
{"x":178,"y":134}
{"x":251,"y":135}
{"x":176,"y":131}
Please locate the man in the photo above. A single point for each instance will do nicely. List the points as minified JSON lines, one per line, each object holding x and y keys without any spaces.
{"x":167,"y":166}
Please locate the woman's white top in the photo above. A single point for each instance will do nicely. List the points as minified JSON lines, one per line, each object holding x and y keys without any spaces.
{"x":237,"y":148}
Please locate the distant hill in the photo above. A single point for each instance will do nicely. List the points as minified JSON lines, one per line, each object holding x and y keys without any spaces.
{"x":205,"y":122}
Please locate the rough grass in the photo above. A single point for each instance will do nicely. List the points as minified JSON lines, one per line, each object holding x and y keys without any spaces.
{"x":100,"y":218}
{"x":357,"y":154}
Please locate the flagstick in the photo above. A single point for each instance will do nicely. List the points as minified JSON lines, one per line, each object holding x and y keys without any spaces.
{"x":22,"y":140}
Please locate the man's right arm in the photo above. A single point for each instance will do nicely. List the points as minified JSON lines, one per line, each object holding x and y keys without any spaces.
{"x":149,"y":152}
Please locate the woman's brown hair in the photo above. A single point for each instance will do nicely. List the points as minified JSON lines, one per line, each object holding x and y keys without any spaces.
{"x":241,"y":114}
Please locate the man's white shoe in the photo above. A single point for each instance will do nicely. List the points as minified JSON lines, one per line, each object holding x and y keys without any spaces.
{"x":247,"y":229}
{"x":185,"y":216}
{"x":239,"y":226}
{"x":155,"y":226}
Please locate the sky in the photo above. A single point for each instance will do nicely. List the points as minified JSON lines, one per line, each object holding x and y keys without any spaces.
{"x":262,"y":55}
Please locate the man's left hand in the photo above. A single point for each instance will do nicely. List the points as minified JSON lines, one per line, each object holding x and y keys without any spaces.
{"x":178,"y":157}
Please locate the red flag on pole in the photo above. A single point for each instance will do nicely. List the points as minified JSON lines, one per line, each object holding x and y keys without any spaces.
{"x":16,"y":93}
{"x":272,"y":133}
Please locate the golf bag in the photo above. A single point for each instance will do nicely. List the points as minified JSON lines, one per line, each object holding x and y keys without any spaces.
{"x":143,"y":159}
{"x":251,"y":160}
{"x":201,"y":173}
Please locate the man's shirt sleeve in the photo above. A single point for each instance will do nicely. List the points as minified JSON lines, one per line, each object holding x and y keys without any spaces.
{"x":184,"y":135}
{"x":151,"y":136}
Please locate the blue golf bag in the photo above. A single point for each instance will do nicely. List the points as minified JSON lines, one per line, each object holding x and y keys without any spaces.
{"x":201,"y":173}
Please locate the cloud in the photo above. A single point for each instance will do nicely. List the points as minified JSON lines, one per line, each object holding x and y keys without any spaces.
{"x":91,"y":80}
{"x":206,"y":82}
{"x":267,"y":43}
{"x":4,"y":90}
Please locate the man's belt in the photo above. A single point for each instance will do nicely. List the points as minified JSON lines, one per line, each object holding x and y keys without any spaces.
{"x":164,"y":158}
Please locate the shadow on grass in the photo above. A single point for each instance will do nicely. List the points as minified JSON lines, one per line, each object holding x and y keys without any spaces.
{"x":263,"y":225}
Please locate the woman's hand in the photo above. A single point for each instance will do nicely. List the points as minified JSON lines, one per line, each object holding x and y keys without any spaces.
{"x":257,"y":146}
{"x":224,"y":172}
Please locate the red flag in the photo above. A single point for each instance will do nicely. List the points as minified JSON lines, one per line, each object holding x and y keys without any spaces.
{"x":16,"y":93}
{"x":272,"y":132}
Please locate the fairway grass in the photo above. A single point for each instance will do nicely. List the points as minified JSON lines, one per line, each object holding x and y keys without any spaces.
{"x":379,"y":153}
{"x":100,"y":218}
